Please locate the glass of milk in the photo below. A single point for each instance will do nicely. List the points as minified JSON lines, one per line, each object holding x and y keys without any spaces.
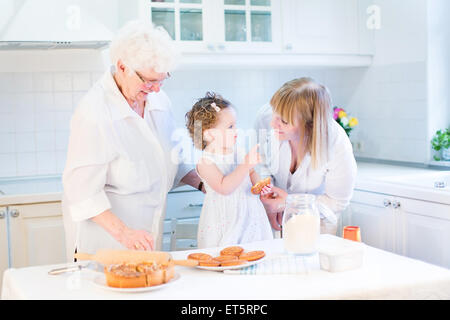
{"x":301,"y":224}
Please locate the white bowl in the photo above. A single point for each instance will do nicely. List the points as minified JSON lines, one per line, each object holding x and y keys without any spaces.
{"x":342,"y":255}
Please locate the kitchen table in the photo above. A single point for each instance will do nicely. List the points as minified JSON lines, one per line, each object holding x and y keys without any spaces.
{"x":383,"y":275}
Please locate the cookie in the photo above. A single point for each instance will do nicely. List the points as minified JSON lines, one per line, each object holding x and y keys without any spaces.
{"x":199,"y":256}
{"x":230,"y":263}
{"x":232,"y":251}
{"x":225,"y":258}
{"x":257,"y":188}
{"x":209,"y":263}
{"x":252,"y":255}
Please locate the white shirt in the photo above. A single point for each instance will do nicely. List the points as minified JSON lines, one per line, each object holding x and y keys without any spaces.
{"x":332,"y":183}
{"x":119,"y":161}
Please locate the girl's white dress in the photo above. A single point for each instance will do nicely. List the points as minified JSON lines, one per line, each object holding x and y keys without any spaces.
{"x":231,"y":219}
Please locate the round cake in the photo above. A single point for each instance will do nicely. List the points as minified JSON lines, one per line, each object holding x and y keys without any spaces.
{"x":137,"y":275}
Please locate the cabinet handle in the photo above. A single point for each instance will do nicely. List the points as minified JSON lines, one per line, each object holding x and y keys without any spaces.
{"x":2,"y":214}
{"x":210,"y":47}
{"x":289,"y":47}
{"x":387,"y":203}
{"x":396,"y":204}
{"x":14,"y":213}
{"x":197,"y":205}
{"x":221,"y":47}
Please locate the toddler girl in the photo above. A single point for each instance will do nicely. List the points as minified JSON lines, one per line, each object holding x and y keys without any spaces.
{"x":230,"y":213}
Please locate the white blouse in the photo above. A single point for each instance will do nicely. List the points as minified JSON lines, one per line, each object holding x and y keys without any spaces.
{"x":333,"y":183}
{"x":119,"y":161}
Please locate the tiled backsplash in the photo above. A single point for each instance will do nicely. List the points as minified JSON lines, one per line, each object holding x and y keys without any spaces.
{"x":35,"y":108}
{"x":35,"y":111}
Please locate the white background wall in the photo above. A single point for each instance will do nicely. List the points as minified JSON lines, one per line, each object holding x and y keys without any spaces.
{"x":438,"y":65}
{"x":391,"y":99}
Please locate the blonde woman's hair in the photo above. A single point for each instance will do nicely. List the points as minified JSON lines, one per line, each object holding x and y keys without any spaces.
{"x":307,"y":104}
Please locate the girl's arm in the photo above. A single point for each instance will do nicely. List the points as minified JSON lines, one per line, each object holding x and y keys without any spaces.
{"x":224,"y":185}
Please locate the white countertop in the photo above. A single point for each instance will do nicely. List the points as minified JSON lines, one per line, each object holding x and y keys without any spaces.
{"x":383,"y":275}
{"x":40,"y":189}
{"x":370,"y":178}
{"x":399,"y":181}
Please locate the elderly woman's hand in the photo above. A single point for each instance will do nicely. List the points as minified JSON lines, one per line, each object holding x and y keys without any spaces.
{"x":136,"y":240}
{"x":130,"y":238}
{"x":274,"y":204}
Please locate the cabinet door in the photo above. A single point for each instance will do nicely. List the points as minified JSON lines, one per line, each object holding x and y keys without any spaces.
{"x":37,"y":234}
{"x":320,"y":26}
{"x":248,"y":26}
{"x":3,"y":244}
{"x":184,"y":205}
{"x":373,"y":214}
{"x":424,"y":230}
{"x":184,"y":20}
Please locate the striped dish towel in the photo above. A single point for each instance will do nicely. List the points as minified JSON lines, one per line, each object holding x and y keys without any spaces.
{"x":280,"y":265}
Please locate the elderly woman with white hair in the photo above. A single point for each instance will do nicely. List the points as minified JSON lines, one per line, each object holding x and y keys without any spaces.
{"x":120,"y":163}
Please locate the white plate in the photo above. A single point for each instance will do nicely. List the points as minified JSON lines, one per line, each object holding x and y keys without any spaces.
{"x":241,"y":266}
{"x":100,"y":281}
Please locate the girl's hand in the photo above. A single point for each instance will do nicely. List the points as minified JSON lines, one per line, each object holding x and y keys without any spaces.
{"x":253,"y":157}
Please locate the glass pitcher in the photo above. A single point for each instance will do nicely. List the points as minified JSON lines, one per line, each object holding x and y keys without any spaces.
{"x":301,"y":224}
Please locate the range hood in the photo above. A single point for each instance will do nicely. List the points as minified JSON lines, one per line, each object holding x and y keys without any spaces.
{"x":52,"y":24}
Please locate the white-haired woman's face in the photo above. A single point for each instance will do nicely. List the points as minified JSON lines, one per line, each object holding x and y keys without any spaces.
{"x":138,"y":84}
{"x":147,"y":82}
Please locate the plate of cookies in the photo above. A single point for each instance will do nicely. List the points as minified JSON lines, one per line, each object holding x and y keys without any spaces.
{"x":230,"y":258}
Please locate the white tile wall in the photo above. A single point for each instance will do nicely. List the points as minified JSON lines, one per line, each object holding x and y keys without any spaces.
{"x":391,"y":105}
{"x":35,"y":112}
{"x":388,"y":100}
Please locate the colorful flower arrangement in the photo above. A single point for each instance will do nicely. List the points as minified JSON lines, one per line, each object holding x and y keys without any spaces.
{"x":346,"y":122}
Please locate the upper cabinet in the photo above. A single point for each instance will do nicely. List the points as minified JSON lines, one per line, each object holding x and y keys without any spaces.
{"x":205,"y":26}
{"x":327,"y":27}
{"x":263,"y":32}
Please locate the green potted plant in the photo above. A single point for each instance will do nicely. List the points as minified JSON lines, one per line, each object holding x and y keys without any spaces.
{"x":441,"y":143}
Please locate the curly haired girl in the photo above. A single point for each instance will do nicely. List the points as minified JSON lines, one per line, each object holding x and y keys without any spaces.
{"x":230,"y":213}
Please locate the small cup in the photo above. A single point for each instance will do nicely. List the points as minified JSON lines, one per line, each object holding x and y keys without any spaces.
{"x":352,"y":233}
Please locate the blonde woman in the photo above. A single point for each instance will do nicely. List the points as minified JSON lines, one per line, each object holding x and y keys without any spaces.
{"x":305,"y":151}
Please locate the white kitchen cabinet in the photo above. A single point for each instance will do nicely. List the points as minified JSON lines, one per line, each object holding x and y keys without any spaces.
{"x":321,"y":26}
{"x":36,"y":234}
{"x":3,"y":243}
{"x":217,"y":26}
{"x":186,"y":208}
{"x":414,"y":228}
{"x":373,"y":214}
{"x":424,"y":230}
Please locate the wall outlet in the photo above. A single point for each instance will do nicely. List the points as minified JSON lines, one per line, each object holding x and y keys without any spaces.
{"x":358,"y":146}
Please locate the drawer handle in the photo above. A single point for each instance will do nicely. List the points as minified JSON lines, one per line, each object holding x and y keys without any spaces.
{"x":14,"y":213}
{"x":387,"y":203}
{"x":396,"y":204}
{"x":198,"y":205}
